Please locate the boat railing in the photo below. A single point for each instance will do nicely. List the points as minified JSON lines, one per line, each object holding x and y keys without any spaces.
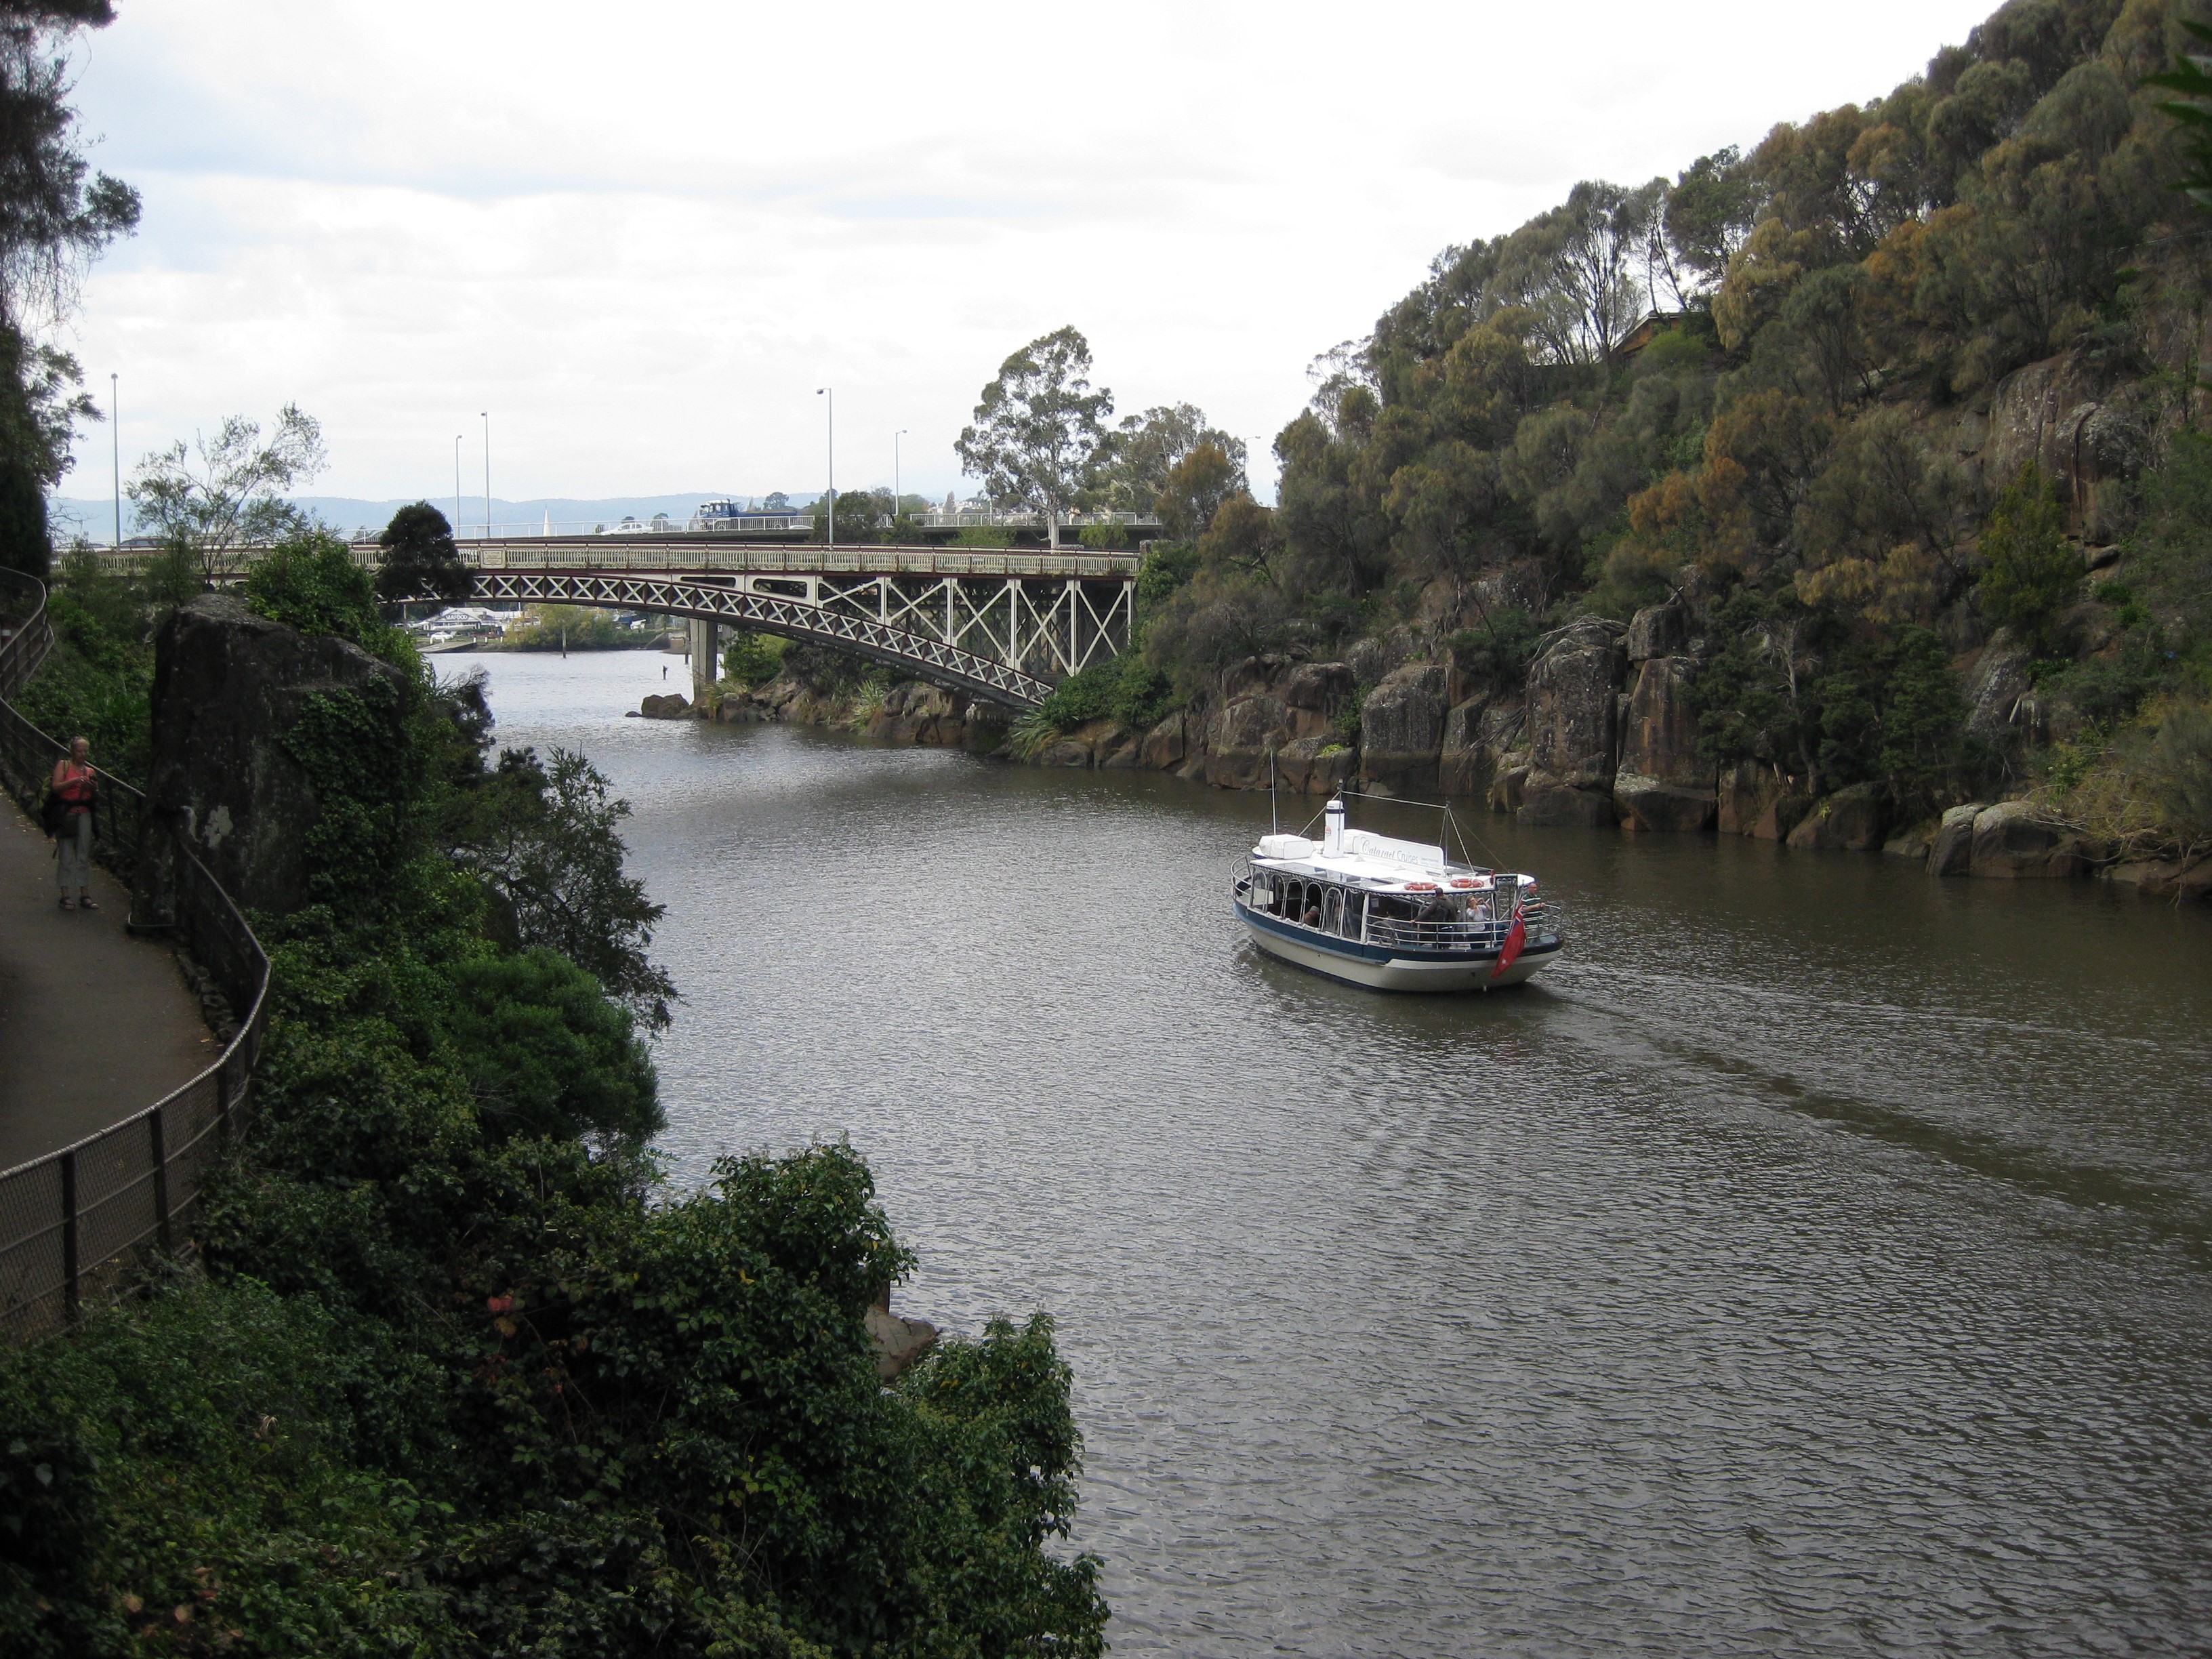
{"x":1478,"y":934}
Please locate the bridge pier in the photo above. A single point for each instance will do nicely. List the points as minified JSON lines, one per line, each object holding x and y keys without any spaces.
{"x":706,"y":660}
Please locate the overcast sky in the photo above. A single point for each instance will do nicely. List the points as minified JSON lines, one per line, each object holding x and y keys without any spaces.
{"x":640,"y":236}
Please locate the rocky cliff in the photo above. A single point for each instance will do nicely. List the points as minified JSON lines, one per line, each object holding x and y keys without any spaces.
{"x":228,"y":686}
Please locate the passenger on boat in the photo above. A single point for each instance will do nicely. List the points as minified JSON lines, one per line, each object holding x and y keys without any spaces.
{"x":1436,"y":910}
{"x":1312,"y":917}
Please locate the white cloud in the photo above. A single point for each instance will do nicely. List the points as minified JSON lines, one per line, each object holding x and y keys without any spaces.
{"x":641,"y":238}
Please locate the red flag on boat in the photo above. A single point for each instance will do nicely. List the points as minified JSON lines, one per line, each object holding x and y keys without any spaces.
{"x":1515,"y":937}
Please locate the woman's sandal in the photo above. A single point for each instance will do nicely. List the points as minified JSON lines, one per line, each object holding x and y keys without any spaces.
{"x":69,"y":904}
{"x":86,"y":903}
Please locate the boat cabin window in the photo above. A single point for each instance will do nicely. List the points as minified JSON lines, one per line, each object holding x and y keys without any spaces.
{"x":1332,"y":910}
{"x":1354,"y":905}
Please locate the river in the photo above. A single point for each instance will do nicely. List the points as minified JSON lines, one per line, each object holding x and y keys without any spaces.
{"x":1817,"y":1260}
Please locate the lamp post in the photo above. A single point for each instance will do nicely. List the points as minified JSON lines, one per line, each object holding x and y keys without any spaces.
{"x":487,"y":421}
{"x":115,"y":440}
{"x":831,"y":394}
{"x":457,"y":484}
{"x":896,"y":497}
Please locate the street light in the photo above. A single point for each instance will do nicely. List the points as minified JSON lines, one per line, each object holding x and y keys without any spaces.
{"x":457,"y":484}
{"x":487,"y":421}
{"x":896,"y":497}
{"x":831,"y":394}
{"x":115,"y":439}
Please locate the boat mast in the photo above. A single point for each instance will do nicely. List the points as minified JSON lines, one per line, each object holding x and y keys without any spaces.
{"x":1274,"y":817}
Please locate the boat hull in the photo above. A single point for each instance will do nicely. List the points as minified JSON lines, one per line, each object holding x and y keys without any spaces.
{"x":1378,"y":967}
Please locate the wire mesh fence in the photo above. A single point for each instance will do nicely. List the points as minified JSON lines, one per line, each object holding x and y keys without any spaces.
{"x":74,"y":1222}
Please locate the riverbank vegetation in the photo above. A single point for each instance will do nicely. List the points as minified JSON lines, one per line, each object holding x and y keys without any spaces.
{"x":1899,"y":408}
{"x":449,"y":1368}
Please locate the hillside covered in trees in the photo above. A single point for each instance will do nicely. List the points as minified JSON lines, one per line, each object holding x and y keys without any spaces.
{"x":1889,"y":427}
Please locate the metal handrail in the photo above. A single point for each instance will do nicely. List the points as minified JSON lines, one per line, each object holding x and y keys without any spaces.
{"x":74,"y":1219}
{"x":675,"y":552}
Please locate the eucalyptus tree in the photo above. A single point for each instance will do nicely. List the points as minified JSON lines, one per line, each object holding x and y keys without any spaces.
{"x":1036,"y":437}
{"x":57,"y":214}
{"x":228,"y":491}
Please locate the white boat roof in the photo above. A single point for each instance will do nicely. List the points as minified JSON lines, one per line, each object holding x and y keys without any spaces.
{"x":1371,"y":860}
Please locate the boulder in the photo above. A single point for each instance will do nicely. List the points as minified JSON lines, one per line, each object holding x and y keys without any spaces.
{"x":1915,"y":841}
{"x":899,"y":1342}
{"x":2179,"y":880}
{"x":1643,"y":802}
{"x":1573,"y":719}
{"x":1319,"y":695}
{"x":1401,"y":729}
{"x":229,"y":687}
{"x":1663,"y":782}
{"x":2015,"y":840}
{"x":1318,"y":765}
{"x":2064,"y":414}
{"x":1780,"y":818}
{"x":1063,"y":752}
{"x":1163,"y":748}
{"x":1952,"y":851}
{"x":1851,"y":820}
{"x":1467,"y":759}
{"x":1509,"y":786}
{"x":1657,"y":630}
{"x":1746,"y":791}
{"x":674,"y":705}
{"x":1557,"y":804}
{"x":2000,"y":705}
{"x":1239,"y":737}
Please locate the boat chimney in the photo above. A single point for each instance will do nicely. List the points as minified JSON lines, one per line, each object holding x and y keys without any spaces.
{"x":1332,"y":836}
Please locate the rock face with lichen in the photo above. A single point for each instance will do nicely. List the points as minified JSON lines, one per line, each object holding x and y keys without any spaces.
{"x":1663,"y":782}
{"x":228,"y":686}
{"x":1573,"y":727}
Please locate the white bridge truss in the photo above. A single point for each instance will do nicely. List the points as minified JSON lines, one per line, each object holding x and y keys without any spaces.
{"x":1004,"y":625}
{"x":1008,"y":639}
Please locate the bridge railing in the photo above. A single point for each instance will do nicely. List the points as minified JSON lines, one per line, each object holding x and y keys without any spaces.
{"x":71,"y":1222}
{"x":696,"y":554}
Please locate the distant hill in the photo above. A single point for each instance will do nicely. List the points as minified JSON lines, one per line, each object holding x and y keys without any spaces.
{"x":95,"y":517}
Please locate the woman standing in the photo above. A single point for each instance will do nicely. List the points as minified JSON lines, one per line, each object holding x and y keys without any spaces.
{"x":75,"y":786}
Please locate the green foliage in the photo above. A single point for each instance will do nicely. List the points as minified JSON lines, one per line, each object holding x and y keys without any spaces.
{"x":1497,"y":651}
{"x":459,"y":1376}
{"x":1125,"y":688}
{"x":1166,"y":567}
{"x":420,"y":558}
{"x":543,"y":838}
{"x":97,"y":683}
{"x":545,"y":1054}
{"x":2031,"y":571}
{"x":751,"y":659}
{"x":309,"y":581}
{"x":983,"y":536}
{"x":1104,"y":536}
{"x":573,"y":628}
{"x":2192,"y":76}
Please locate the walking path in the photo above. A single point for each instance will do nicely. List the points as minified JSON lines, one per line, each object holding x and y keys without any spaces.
{"x":95,"y":1025}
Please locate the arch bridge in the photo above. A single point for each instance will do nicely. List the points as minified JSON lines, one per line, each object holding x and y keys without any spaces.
{"x":1003,"y":625}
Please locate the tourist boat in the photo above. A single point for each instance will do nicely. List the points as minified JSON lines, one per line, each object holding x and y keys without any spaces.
{"x":1394,"y":915}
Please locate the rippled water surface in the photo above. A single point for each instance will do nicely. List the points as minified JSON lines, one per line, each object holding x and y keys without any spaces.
{"x":1819,"y":1261}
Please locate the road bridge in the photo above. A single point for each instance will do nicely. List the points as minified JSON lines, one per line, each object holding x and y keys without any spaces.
{"x":1006,"y":625}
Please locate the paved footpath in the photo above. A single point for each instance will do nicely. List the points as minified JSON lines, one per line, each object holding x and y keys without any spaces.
{"x":95,"y":1025}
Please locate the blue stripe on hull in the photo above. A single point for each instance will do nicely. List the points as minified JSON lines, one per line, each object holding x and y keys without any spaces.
{"x":1381,"y":967}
